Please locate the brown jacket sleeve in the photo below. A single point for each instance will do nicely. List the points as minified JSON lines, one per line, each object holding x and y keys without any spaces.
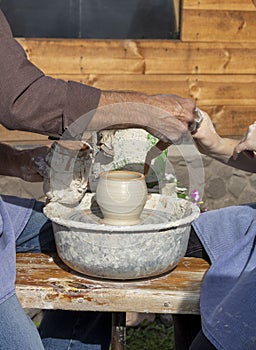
{"x":31,"y":101}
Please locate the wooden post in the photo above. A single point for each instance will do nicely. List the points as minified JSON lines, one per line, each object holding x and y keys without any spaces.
{"x":118,"y":331}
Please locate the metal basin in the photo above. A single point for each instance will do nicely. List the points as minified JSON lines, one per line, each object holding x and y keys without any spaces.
{"x":148,"y":249}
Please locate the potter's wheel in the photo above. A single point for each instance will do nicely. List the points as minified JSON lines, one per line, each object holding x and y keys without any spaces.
{"x":156,"y":215}
{"x":148,"y":218}
{"x":151,"y":248}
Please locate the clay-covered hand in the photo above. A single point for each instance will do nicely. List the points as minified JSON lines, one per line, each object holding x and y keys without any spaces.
{"x":32,"y":163}
{"x":24,"y":164}
{"x":68,"y":165}
{"x":247,"y":144}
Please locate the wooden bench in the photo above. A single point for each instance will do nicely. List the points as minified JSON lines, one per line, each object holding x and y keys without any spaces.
{"x":44,"y":282}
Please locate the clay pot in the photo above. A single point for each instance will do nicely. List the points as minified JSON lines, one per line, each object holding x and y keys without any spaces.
{"x":121,"y":196}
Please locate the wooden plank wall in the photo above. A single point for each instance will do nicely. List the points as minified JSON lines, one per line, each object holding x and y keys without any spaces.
{"x":214,"y":63}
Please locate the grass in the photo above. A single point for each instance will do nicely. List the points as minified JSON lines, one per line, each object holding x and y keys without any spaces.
{"x":150,"y":335}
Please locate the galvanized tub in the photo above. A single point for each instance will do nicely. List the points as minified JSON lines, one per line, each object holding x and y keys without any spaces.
{"x":151,"y":248}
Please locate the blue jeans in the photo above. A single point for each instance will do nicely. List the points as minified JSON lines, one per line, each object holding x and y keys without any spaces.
{"x":187,"y":328}
{"x":17,"y":331}
{"x":59,"y":329}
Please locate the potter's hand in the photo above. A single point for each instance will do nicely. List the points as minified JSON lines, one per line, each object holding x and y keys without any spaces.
{"x":248,"y":143}
{"x":165,"y":116}
{"x":68,"y":165}
{"x":37,"y":165}
{"x":170,"y":127}
{"x":73,"y":151}
{"x":168,"y":117}
{"x":177,"y":107}
{"x":32,"y":163}
{"x":22,"y":163}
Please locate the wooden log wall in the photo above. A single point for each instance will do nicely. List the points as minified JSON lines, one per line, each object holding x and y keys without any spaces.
{"x":214,"y":63}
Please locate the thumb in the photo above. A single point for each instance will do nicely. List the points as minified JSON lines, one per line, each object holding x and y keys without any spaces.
{"x":238,"y":149}
{"x":241,"y":147}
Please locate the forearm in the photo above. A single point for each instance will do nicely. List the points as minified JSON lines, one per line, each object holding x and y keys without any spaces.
{"x":221,"y":149}
{"x":34,"y":102}
{"x":163,"y":114}
{"x":44,"y":105}
{"x":218,"y":148}
{"x":223,"y":152}
{"x":31,"y":101}
{"x":114,"y":111}
{"x":22,"y":163}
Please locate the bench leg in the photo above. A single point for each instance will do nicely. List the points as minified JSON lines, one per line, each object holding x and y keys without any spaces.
{"x":118,"y":331}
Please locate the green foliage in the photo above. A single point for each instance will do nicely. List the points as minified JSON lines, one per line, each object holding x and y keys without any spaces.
{"x":150,"y":336}
{"x":37,"y":324}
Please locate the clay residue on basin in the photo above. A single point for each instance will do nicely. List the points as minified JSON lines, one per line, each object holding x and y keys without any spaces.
{"x":123,"y":252}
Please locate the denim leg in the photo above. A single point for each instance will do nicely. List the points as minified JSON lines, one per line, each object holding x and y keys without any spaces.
{"x":186,"y":327}
{"x":17,"y":331}
{"x":37,"y":236}
{"x":59,"y":329}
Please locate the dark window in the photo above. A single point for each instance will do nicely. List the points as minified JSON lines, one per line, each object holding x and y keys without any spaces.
{"x":97,"y":19}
